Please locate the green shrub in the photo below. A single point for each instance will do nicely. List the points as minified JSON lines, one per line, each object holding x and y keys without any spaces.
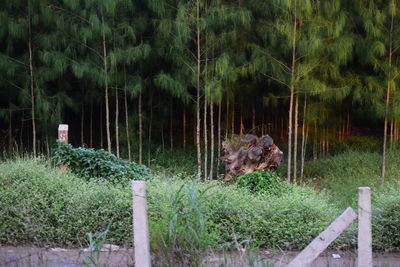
{"x":386,"y":218}
{"x":263,"y":181}
{"x":288,"y":221}
{"x":89,"y":163}
{"x":341,"y":175}
{"x":42,"y":206}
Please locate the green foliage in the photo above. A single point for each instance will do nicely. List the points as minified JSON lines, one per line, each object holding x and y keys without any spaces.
{"x":44,"y":207}
{"x":179,"y":229}
{"x":342,"y":174}
{"x":89,"y":163}
{"x":263,"y":181}
{"x":386,"y":218}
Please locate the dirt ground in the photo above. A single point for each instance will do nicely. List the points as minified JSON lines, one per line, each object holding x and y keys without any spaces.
{"x":111,"y":256}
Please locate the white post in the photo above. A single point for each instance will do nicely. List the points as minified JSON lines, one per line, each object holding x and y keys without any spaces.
{"x":322,"y":241}
{"x":63,"y":132}
{"x":140,"y":225}
{"x":364,"y":227}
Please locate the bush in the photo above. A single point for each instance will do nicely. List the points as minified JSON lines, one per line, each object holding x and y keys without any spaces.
{"x":42,"y":206}
{"x":90,"y":163}
{"x":263,"y":181}
{"x":342,"y":174}
{"x":288,"y":221}
{"x":386,"y":218}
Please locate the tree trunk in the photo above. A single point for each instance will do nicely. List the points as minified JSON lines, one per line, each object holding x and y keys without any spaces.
{"x":9,"y":129}
{"x":241,"y":121}
{"x":296,"y":129}
{"x":205,"y":140}
{"x":91,"y":123}
{"x":253,"y":124}
{"x":128,"y":141}
{"x":391,"y":134}
{"x":233,"y":118}
{"x":162,"y":138}
{"x":117,"y":119}
{"x":292,"y":93}
{"x":184,"y":128}
{"x":101,"y":125}
{"x":303,"y":138}
{"x":198,"y":89}
{"x":140,"y":129}
{"x":212,"y":140}
{"x":315,"y":143}
{"x":219,"y":132}
{"x":21,"y":135}
{"x":32,"y":90}
{"x":150,"y":127}
{"x":383,"y":169}
{"x":106,"y":87}
{"x":171,"y":133}
{"x":82,"y":121}
{"x":227,"y":119}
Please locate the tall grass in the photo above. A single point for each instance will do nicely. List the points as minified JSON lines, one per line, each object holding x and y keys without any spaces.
{"x":342,"y":174}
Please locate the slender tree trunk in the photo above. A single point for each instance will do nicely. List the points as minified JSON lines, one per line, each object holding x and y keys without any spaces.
{"x":91,"y":123}
{"x":162,"y":138}
{"x":241,"y":121}
{"x":198,"y":88}
{"x":101,"y":125}
{"x":262,"y":124}
{"x":391,"y":134}
{"x":296,"y":129}
{"x":383,"y":169}
{"x":128,"y":138}
{"x":117,"y":119}
{"x":106,"y":87}
{"x":150,"y":127}
{"x":184,"y":128}
{"x":292,"y":93}
{"x":227,"y":119}
{"x":253,"y":124}
{"x":140,"y":130}
{"x":219,"y":132}
{"x":212,"y":140}
{"x":21,"y":143}
{"x":205,"y":140}
{"x":32,"y":90}
{"x":303,"y":138}
{"x":315,"y":143}
{"x":171,"y":133}
{"x":10,"y":129}
{"x":82,"y":121}
{"x":233,"y":118}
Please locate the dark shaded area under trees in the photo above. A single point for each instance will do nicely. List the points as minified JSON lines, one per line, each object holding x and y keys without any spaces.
{"x":125,"y":74}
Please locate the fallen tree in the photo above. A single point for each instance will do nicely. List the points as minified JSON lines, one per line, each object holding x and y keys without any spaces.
{"x":250,"y":155}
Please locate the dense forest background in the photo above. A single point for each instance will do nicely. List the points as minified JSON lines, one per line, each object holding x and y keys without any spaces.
{"x":141,"y":77}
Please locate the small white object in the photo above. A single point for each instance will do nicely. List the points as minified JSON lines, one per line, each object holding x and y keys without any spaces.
{"x":336,"y":256}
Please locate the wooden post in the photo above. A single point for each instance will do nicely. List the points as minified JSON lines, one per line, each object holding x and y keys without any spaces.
{"x":364,"y":227}
{"x":140,"y":225}
{"x":63,"y":132}
{"x":322,"y":241}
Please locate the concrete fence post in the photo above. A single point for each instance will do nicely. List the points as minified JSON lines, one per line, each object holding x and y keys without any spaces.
{"x":364,"y":227}
{"x":322,"y":241}
{"x":63,"y":132}
{"x":140,"y":225}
